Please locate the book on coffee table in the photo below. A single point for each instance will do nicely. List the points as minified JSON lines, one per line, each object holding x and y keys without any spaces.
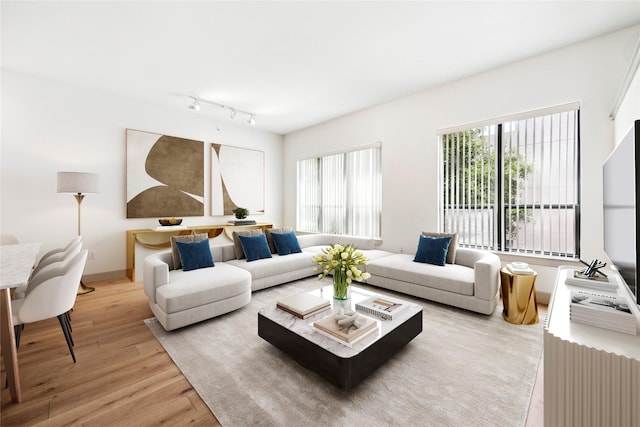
{"x":303,"y":305}
{"x":384,"y":307}
{"x":346,"y":334}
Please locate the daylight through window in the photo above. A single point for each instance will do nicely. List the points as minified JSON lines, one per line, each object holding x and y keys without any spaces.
{"x":341,"y":193}
{"x":513,"y":185}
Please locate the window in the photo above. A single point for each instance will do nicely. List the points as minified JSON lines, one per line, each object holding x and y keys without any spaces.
{"x":341,"y":193}
{"x":513,"y":185}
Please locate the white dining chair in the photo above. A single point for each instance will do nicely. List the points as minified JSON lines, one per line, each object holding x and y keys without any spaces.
{"x":54,"y":297}
{"x":59,"y":260}
{"x":49,"y":269}
{"x":9,"y":239}
{"x":57,"y":254}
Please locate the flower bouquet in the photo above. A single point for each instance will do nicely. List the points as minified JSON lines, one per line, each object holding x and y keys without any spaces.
{"x":343,"y":262}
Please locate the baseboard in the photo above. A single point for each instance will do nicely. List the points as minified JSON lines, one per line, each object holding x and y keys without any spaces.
{"x":543,"y":297}
{"x":107,"y":275}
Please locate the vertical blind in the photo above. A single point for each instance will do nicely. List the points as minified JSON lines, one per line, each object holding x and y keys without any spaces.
{"x":341,"y":193}
{"x":514,"y":185}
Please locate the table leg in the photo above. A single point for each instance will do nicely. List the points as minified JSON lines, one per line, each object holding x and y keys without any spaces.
{"x":8,"y":341}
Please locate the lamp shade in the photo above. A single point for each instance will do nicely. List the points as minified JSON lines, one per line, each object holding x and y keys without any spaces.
{"x":78,"y":182}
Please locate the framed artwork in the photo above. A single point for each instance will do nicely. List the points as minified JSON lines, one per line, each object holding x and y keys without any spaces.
{"x":237,"y":179}
{"x":165,"y":176}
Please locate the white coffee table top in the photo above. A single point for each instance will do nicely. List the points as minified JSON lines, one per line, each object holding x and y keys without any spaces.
{"x":303,"y":327}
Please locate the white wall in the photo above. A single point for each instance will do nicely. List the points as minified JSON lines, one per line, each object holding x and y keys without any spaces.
{"x":629,"y":110}
{"x":49,"y":127}
{"x":589,"y":72}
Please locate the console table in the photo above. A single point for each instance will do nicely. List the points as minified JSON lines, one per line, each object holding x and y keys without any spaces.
{"x":591,"y":375}
{"x":160,"y":238}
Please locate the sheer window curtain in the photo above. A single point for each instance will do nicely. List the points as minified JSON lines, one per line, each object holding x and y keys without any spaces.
{"x":341,"y":193}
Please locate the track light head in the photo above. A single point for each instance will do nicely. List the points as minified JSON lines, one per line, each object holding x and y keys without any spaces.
{"x":233,"y":112}
{"x":195,"y":105}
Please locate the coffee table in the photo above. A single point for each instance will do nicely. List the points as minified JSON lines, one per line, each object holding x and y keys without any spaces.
{"x":344,"y":366}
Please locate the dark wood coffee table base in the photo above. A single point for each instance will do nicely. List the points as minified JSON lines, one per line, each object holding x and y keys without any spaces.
{"x":345,"y":373}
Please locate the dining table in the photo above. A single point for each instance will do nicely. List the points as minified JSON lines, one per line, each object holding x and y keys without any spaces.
{"x":16,"y":264}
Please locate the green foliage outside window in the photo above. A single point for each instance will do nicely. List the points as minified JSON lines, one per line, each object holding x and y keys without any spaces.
{"x":470,"y":176}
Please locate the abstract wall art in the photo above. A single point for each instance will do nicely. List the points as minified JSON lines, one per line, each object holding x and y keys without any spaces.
{"x":237,"y":179}
{"x":165,"y":176}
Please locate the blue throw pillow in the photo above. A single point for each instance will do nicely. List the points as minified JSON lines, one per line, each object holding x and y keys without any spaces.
{"x":286,"y":243}
{"x":194,"y":255}
{"x":432,"y":250}
{"x":255,"y":247}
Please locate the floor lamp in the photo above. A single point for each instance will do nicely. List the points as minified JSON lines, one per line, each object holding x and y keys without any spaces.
{"x":79,"y":184}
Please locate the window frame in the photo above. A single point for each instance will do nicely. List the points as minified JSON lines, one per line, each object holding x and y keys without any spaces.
{"x":350,"y":207}
{"x":499,"y":238}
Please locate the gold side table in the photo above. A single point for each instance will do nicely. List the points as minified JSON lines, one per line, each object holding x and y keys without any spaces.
{"x":518,"y":293}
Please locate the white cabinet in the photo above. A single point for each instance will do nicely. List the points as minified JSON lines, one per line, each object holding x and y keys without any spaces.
{"x":591,"y":375}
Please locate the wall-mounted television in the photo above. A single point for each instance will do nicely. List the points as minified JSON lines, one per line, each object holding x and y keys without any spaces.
{"x":621,"y":172}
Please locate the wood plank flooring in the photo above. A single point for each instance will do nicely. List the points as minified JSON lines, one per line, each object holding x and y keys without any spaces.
{"x":123,"y":375}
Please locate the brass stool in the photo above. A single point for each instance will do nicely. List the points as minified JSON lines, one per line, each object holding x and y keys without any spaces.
{"x":519,"y":297}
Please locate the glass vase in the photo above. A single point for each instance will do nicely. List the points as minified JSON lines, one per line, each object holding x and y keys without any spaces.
{"x":340,"y":286}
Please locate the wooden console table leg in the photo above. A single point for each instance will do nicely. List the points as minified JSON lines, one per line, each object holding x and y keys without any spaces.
{"x":131,"y":256}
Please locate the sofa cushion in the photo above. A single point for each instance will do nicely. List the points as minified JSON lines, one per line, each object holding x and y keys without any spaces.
{"x":268,"y":231}
{"x":452,"y":277}
{"x":188,"y":289}
{"x":432,"y":250}
{"x":286,"y":243}
{"x":453,"y":246}
{"x":370,"y":254}
{"x":276,"y":265}
{"x":194,"y":255}
{"x":255,"y":247}
{"x":177,"y":264}
{"x":236,"y":240}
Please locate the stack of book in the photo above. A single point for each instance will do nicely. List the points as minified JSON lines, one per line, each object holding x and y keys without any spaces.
{"x":596,"y":281}
{"x":386,"y":308}
{"x":348,"y":335}
{"x":521,"y":268}
{"x":303,"y":305}
{"x":243,"y":222}
{"x":609,"y":311}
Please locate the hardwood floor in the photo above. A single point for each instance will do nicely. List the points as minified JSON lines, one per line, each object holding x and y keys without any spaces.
{"x":123,"y":375}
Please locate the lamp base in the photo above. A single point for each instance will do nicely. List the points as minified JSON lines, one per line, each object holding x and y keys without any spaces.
{"x":83,"y":289}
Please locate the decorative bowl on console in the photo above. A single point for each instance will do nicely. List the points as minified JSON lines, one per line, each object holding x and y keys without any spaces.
{"x":170,"y":221}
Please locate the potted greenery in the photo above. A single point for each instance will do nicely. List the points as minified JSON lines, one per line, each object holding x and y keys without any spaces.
{"x":241,"y":213}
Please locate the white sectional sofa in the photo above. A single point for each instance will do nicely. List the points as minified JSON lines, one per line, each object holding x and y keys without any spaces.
{"x":179,"y":298}
{"x":471,"y":283}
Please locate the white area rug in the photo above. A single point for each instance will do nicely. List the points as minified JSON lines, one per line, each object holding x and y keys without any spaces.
{"x":464,"y":369}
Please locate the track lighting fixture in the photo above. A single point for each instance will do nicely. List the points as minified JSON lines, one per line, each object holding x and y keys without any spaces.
{"x":233,"y":112}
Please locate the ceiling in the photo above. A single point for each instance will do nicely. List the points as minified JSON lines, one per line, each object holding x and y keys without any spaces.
{"x":293,"y":64}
